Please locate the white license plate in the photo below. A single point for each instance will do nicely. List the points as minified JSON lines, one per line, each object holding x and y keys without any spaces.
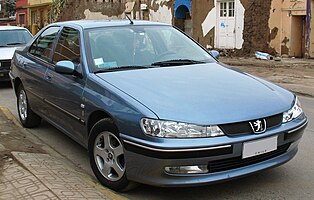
{"x":258,"y":147}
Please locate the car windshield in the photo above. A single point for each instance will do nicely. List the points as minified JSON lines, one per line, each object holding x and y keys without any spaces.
{"x":14,"y":37}
{"x":135,"y":47}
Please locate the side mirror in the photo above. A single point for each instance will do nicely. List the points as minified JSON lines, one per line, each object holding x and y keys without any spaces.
{"x":215,"y":54}
{"x":65,"y":67}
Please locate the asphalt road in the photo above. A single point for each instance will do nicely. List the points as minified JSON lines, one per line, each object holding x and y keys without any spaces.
{"x":294,"y":180}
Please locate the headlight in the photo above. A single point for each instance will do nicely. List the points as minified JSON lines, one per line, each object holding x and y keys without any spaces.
{"x":171,"y":129}
{"x":293,"y":113}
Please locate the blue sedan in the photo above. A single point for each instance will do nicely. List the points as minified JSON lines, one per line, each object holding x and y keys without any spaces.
{"x":152,"y":106}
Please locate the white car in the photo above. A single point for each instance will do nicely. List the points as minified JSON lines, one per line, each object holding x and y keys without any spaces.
{"x":11,"y":37}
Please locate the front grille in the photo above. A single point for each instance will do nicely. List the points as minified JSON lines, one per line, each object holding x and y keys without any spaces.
{"x":240,"y":128}
{"x":233,"y":163}
{"x":5,"y":64}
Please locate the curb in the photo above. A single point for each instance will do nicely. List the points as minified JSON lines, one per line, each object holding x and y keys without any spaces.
{"x":10,"y":116}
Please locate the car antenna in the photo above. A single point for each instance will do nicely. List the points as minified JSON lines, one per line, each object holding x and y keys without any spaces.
{"x":131,"y":22}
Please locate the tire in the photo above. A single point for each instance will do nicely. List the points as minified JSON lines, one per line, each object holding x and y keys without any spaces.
{"x":27,"y":117}
{"x":106,"y":154}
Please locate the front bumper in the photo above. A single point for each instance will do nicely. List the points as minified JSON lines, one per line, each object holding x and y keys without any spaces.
{"x":146,"y":162}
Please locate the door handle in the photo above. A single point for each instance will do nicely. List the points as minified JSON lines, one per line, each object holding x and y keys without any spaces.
{"x":48,"y":77}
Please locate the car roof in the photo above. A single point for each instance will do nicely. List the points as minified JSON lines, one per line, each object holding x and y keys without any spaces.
{"x":11,"y":28}
{"x":87,"y":24}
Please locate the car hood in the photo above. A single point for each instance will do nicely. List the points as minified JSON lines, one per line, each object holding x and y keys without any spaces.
{"x":6,"y":53}
{"x":202,"y":94}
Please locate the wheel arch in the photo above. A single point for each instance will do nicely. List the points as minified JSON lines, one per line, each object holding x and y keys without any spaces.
{"x":95,"y":117}
{"x":101,"y":123}
{"x":17,"y":83}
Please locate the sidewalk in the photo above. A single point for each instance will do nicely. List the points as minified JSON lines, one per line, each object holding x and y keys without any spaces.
{"x":31,"y":170}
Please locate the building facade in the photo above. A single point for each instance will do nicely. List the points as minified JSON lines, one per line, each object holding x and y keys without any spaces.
{"x":288,"y":27}
{"x":279,"y":27}
{"x":310,"y":29}
{"x":21,"y":13}
{"x":7,"y":13}
{"x":39,"y":14}
{"x":220,"y":24}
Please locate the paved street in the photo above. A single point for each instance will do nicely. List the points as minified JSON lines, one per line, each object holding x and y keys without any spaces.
{"x":294,"y":180}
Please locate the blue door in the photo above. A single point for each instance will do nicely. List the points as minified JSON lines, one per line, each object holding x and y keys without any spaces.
{"x":65,"y":92}
{"x":35,"y":66}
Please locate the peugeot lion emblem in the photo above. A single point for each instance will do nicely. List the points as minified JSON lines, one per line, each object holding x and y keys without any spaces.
{"x":258,"y":126}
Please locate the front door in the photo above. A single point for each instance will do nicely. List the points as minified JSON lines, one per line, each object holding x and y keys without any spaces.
{"x":65,"y":92}
{"x":226,"y":25}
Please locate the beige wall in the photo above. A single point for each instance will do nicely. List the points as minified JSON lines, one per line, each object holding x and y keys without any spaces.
{"x":37,"y":2}
{"x":38,"y":14}
{"x":285,"y":25}
{"x":38,"y":18}
{"x":275,"y":25}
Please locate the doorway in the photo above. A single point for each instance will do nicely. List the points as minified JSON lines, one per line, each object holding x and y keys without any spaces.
{"x":183,"y":18}
{"x":297,"y":48}
{"x":226,"y":36}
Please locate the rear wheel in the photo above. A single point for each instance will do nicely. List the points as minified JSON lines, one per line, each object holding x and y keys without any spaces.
{"x":106,"y":153}
{"x":27,"y":117}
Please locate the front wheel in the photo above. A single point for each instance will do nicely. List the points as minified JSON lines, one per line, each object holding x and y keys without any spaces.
{"x":27,"y":117}
{"x":106,"y":155}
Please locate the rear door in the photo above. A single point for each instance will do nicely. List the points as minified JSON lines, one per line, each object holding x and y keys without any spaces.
{"x":34,"y":67}
{"x":64,"y":95}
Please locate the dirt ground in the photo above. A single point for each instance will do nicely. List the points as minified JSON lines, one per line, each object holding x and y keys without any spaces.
{"x":13,"y":138}
{"x":294,"y":74}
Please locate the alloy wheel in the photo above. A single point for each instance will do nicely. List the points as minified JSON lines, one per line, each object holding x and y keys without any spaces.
{"x":23,"y":105}
{"x":109,"y":156}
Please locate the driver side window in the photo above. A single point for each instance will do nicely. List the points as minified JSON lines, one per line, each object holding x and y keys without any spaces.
{"x":68,"y":46}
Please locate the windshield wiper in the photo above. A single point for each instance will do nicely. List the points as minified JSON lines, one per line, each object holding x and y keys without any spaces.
{"x":15,"y":43}
{"x":176,"y":62}
{"x":120,"y":68}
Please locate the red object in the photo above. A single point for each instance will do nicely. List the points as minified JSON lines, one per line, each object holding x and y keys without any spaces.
{"x":21,"y":12}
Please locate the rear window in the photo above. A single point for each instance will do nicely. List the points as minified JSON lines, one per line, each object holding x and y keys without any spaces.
{"x":14,"y":37}
{"x":42,"y":47}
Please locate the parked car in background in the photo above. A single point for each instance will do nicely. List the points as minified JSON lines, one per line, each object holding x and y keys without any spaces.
{"x":152,"y":106}
{"x":11,"y":37}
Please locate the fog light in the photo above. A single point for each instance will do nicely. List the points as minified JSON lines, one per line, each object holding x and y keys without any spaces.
{"x":195,"y":169}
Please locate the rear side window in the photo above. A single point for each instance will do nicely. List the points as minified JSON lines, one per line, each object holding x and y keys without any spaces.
{"x":68,"y":46}
{"x":42,"y":47}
